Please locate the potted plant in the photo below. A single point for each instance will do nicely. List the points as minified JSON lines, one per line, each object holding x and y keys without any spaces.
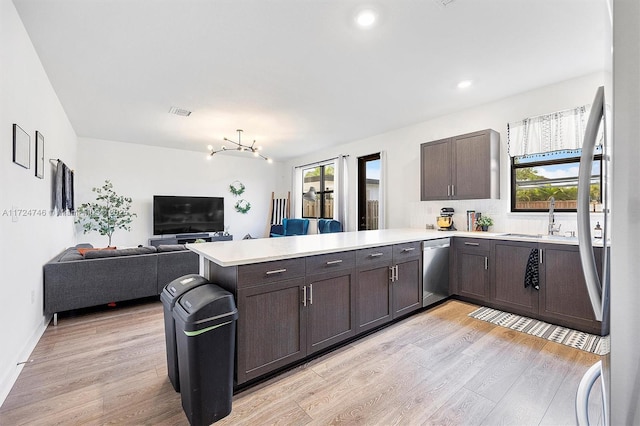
{"x":484,"y":222}
{"x":109,"y":212}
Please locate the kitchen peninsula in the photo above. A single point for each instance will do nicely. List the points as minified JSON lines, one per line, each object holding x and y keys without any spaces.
{"x":300,"y":295}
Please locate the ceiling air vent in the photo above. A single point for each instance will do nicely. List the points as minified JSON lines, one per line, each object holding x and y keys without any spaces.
{"x":179,"y":111}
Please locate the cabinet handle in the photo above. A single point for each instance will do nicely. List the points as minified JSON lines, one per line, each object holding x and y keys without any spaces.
{"x":392,"y":273}
{"x":304,"y":295}
{"x":276,"y":271}
{"x":472,"y":244}
{"x":453,"y":190}
{"x":448,"y":190}
{"x":408,"y":249}
{"x":397,"y":273}
{"x":540,"y":255}
{"x":376,"y":254}
{"x":311,"y":294}
{"x":334,"y":262}
{"x":486,"y":263}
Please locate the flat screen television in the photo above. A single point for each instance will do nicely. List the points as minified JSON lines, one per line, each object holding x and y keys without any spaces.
{"x":185,"y":215}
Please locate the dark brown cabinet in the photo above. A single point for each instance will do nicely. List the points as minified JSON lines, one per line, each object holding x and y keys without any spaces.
{"x":374,"y":267}
{"x":508,"y":277}
{"x":271,"y":328}
{"x":330,"y":303}
{"x":406,"y":280}
{"x":470,"y":269}
{"x":462,"y":167}
{"x":564,"y":299}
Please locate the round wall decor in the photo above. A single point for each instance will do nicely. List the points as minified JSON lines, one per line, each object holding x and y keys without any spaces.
{"x":236,"y":188}
{"x":242,"y":206}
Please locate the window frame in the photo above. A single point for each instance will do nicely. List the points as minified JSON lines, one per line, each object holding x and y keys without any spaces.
{"x":321,"y":193}
{"x":550,"y":162}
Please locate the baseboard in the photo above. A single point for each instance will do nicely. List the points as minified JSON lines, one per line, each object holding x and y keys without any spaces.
{"x":13,"y":370}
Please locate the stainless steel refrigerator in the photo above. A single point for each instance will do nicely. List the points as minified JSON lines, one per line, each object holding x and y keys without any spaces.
{"x":617,"y":298}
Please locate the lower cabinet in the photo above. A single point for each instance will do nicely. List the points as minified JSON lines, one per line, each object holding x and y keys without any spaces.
{"x":330,"y":309}
{"x":564,"y":298}
{"x":470,"y":269}
{"x":508,"y":277}
{"x":292,"y":308}
{"x":406,"y":282}
{"x":271,"y":328}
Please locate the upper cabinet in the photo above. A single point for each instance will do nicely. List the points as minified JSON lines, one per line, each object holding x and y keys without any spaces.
{"x":462,"y":167}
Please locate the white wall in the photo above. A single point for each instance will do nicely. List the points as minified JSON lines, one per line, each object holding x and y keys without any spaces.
{"x":26,"y":98}
{"x":402,"y":146}
{"x":142,"y":171}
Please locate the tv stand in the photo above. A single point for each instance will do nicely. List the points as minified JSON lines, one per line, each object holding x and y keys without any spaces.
{"x":187,"y":238}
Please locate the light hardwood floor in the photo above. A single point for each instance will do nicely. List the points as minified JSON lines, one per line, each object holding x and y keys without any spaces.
{"x":438,"y":367}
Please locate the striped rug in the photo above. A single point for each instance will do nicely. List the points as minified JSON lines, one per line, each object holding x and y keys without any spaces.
{"x":566,"y":336}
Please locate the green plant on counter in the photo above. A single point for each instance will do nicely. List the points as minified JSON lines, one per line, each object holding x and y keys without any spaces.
{"x":484,"y":222}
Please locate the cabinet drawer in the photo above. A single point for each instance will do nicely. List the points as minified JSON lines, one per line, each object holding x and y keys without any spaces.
{"x":407,"y":250}
{"x":266,"y":272}
{"x":473,"y":243}
{"x":374,"y":256}
{"x":331,"y":262}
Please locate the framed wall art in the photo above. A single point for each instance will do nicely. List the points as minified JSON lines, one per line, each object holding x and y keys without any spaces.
{"x":21,"y":147}
{"x":39,"y":155}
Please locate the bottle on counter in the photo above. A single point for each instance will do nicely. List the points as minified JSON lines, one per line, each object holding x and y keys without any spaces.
{"x":597,"y":231}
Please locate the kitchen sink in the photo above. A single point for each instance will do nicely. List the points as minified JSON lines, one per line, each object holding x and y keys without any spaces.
{"x":542,"y":237}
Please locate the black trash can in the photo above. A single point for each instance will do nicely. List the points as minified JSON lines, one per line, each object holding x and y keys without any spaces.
{"x":205,"y":320}
{"x":169,"y":297}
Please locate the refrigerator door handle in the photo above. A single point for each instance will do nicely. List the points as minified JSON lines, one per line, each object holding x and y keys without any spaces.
{"x":584,"y":224}
{"x":584,"y":389}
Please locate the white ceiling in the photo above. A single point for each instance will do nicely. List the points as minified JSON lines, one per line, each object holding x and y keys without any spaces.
{"x":298,"y":75}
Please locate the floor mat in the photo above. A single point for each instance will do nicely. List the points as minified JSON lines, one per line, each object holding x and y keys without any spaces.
{"x":566,"y":336}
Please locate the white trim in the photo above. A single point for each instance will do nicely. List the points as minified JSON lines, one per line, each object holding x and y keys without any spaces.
{"x":10,"y":375}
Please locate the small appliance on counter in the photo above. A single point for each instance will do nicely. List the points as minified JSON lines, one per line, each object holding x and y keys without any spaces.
{"x":445,"y":220}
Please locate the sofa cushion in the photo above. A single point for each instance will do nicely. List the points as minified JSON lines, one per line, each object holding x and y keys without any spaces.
{"x":171,"y":247}
{"x":99,"y":254}
{"x":70,"y":255}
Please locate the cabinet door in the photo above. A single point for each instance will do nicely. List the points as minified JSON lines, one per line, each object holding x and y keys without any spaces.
{"x":330,"y":309}
{"x":271,"y":328}
{"x":507,"y":286}
{"x":564,"y":299}
{"x":475,"y":166}
{"x":373,"y":289}
{"x":471,"y":269}
{"x":407,"y":288}
{"x":435,"y":170}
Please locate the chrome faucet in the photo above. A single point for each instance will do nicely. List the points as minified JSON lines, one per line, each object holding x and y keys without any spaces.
{"x":552,"y":220}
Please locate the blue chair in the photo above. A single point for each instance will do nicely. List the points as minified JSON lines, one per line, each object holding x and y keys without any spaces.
{"x":327,"y":226}
{"x":293,"y":227}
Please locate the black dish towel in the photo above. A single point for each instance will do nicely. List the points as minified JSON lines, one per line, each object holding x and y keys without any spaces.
{"x":531,"y":275}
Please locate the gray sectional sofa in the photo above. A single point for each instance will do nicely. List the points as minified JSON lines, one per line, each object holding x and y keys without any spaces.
{"x":73,"y":280}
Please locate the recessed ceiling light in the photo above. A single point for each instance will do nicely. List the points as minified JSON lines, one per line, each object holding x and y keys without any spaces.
{"x":464,"y":84}
{"x":366,"y":18}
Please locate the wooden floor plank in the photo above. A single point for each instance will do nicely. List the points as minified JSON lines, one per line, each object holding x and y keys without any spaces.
{"x":108,"y":366}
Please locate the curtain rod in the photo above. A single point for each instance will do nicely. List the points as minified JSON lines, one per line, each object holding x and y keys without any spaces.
{"x":320,"y":162}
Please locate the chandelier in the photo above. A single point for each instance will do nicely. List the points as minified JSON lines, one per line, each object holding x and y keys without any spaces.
{"x":252,"y":149}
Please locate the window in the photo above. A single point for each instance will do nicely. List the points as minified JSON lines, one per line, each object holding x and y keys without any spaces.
{"x":369,"y":191}
{"x":321,"y":178}
{"x":536,"y":178}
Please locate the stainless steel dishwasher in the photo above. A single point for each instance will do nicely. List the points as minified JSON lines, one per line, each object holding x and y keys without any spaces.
{"x":435,"y":270}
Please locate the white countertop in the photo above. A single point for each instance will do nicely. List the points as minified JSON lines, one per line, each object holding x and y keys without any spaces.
{"x":244,"y":252}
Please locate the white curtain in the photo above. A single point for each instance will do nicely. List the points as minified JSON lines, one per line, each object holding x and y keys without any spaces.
{"x":341,"y":191}
{"x":559,"y":131}
{"x":382,"y":217}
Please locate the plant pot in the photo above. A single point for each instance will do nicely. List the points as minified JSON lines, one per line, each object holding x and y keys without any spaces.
{"x":485,"y":228}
